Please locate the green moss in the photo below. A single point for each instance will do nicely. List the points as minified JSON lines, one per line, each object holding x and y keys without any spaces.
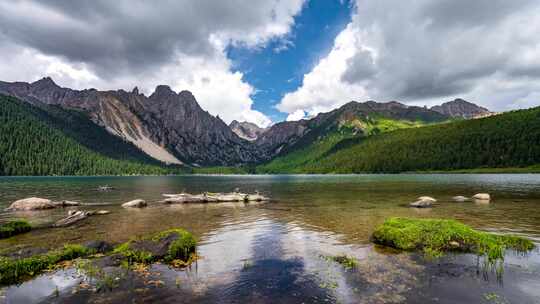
{"x":14,"y":271}
{"x":12,"y":228}
{"x":436,"y":236}
{"x":181,"y":248}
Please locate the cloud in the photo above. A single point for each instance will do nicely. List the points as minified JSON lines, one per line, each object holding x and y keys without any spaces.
{"x":296,"y":115}
{"x":121,"y":44}
{"x":426,"y":52}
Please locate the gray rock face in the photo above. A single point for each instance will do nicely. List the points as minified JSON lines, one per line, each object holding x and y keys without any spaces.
{"x":168,"y":126}
{"x":246,"y":130}
{"x":461,"y":109}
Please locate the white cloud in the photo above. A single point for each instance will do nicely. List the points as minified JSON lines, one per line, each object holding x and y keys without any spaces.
{"x":427,"y":52}
{"x":122,"y":44}
{"x":296,"y":115}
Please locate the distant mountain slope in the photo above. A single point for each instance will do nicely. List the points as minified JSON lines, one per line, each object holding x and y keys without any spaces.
{"x":460,"y":108}
{"x":313,"y":138}
{"x":246,"y":130}
{"x":168,"y":126}
{"x":507,"y":140}
{"x":31,"y":143}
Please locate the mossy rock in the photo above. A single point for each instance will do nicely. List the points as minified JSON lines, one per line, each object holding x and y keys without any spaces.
{"x":435,"y":237}
{"x":12,"y":228}
{"x":167,"y":246}
{"x":13,"y":271}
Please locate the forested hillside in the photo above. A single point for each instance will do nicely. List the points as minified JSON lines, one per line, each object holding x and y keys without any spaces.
{"x":33,"y":142}
{"x":507,"y":140}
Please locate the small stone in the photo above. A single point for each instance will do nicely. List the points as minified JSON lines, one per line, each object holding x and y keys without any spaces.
{"x":460,"y":198}
{"x":138,"y":203}
{"x":482,"y":196}
{"x":427,"y":198}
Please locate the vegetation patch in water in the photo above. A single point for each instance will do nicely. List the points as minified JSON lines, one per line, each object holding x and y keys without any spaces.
{"x":175,"y":246}
{"x":436,"y":236}
{"x":344,"y":260}
{"x":14,"y":271}
{"x":12,"y":228}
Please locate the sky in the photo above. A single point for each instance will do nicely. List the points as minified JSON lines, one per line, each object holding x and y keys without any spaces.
{"x":282,"y":59}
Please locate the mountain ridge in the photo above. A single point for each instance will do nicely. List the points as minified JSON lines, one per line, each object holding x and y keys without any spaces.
{"x":174,"y":129}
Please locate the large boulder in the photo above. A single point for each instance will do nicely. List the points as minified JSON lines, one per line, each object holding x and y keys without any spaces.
{"x":138,"y":203}
{"x":482,"y":197}
{"x":32,"y":203}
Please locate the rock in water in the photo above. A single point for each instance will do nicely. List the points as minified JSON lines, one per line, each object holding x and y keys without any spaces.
{"x":421,"y":204}
{"x":460,"y":198}
{"x":32,"y":203}
{"x":72,"y":218}
{"x":482,"y":197}
{"x":138,"y":203}
{"x":427,"y":198}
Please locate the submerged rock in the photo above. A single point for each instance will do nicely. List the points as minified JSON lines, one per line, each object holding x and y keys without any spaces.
{"x":421,"y":204}
{"x":460,"y":198}
{"x":482,"y":197}
{"x":75,"y":216}
{"x":99,"y":246}
{"x":169,"y":245}
{"x":138,"y":203}
{"x":32,"y":203}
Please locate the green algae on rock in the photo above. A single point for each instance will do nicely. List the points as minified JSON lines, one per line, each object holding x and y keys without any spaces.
{"x":168,"y":246}
{"x":436,"y":236}
{"x":12,"y":228}
{"x":13,"y":271}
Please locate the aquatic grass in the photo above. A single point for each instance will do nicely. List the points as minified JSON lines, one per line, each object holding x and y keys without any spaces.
{"x":13,"y":271}
{"x":435,"y":237}
{"x":15,"y":227}
{"x":344,"y":260}
{"x":181,"y":248}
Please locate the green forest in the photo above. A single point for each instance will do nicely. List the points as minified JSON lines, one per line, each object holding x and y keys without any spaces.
{"x":509,"y":140}
{"x":37,"y":142}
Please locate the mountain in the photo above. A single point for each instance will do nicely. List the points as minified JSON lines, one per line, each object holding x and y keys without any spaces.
{"x":171,"y":128}
{"x":246,"y":130}
{"x":167,"y":126}
{"x":294,"y":141}
{"x":506,"y":140}
{"x":460,"y":108}
{"x":32,"y":142}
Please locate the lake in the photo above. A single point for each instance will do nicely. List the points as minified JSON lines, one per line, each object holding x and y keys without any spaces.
{"x":277,"y":252}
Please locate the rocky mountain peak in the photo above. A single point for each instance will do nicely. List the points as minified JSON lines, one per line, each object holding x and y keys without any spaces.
{"x":460,"y":108}
{"x":135,"y":91}
{"x":163,"y":91}
{"x":43,"y":83}
{"x":246,"y":130}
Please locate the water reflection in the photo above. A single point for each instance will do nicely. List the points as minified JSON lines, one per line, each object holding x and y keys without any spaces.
{"x":276,"y":252}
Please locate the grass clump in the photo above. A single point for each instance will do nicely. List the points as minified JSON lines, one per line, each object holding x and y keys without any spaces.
{"x":174,"y":245}
{"x":344,"y":260}
{"x":13,"y":271}
{"x":436,"y":236}
{"x":12,"y":228}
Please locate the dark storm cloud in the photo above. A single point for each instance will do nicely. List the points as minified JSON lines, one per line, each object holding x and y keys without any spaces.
{"x":132,"y":36}
{"x":431,"y":49}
